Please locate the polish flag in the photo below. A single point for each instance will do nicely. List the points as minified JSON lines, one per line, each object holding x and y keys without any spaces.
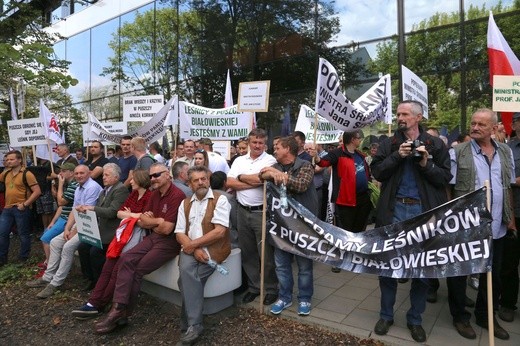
{"x":502,"y":61}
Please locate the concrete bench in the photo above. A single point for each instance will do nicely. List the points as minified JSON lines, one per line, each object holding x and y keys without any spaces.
{"x":218,"y":292}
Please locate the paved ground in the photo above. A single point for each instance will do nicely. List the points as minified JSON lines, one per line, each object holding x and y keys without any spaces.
{"x":349,"y":303}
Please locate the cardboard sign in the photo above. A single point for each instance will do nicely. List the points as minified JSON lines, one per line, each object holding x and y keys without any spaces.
{"x":253,"y":96}
{"x":88,"y":229}
{"x":506,"y":93}
{"x":141,"y":108}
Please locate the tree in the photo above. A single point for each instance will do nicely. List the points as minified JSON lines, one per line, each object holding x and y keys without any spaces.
{"x":28,"y":57}
{"x":258,"y":40}
{"x":433,"y":53}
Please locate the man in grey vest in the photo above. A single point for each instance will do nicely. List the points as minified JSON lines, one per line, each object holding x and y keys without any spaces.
{"x":472,"y":163}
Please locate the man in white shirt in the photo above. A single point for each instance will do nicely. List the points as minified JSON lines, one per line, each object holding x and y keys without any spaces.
{"x":244,"y":179}
{"x":216,"y":162}
{"x":202,"y":230}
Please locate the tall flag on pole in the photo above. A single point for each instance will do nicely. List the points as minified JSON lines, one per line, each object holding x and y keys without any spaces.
{"x":14,"y":115}
{"x":228,"y":98}
{"x":502,"y":61}
{"x":52,"y":130}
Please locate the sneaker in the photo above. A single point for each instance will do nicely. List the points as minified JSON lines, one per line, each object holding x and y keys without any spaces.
{"x":85,"y":312}
{"x":191,"y":334}
{"x":37,"y":283}
{"x":47,"y":292}
{"x":279,"y":306}
{"x":304,"y":308}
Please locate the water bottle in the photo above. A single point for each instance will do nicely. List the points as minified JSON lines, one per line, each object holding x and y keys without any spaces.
{"x":218,"y":267}
{"x":283,"y":196}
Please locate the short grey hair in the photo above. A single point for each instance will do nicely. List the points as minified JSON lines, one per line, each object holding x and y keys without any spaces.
{"x":116,"y":170}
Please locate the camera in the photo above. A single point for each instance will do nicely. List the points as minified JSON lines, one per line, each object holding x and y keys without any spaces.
{"x":414,"y":145}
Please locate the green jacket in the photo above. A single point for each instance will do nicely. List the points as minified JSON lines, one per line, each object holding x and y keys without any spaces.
{"x":466,"y":175}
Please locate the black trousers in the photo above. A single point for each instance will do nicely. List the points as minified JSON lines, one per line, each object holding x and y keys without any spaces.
{"x":354,"y":219}
{"x":92,"y":260}
{"x":509,"y":272}
{"x":456,"y":296}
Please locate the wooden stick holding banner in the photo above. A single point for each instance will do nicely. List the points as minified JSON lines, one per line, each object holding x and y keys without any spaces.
{"x":50,"y":154}
{"x":314,"y":135}
{"x":262,"y":255}
{"x":491,"y":326}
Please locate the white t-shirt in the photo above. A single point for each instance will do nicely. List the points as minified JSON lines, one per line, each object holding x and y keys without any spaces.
{"x":246,"y":165}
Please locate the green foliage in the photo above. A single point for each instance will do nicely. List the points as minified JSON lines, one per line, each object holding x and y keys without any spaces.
{"x":28,"y":57}
{"x":14,"y":272}
{"x":433,"y":53}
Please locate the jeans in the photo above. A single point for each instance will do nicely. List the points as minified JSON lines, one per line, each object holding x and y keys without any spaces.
{"x":22,"y":219}
{"x":419,"y":287}
{"x":283,"y":261}
{"x":56,"y":229}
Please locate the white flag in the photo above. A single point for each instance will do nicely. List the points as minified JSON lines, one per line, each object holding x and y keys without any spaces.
{"x":14,"y":115}
{"x":228,"y":98}
{"x":52,"y":130}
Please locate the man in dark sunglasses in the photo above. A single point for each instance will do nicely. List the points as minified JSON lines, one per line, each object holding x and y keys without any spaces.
{"x":151,"y":253}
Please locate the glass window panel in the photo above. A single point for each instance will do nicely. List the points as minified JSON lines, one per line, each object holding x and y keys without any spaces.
{"x":78,"y":53}
{"x":104,"y":61}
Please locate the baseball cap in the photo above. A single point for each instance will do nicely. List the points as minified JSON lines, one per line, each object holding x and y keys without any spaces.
{"x":67,"y":166}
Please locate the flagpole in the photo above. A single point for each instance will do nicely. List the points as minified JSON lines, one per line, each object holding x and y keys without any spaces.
{"x":50,"y":155}
{"x":491,"y":327}
{"x":262,"y":255}
{"x":314,"y":134}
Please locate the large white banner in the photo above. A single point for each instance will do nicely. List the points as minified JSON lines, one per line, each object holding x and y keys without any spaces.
{"x":26,"y":132}
{"x":325,"y":132}
{"x":373,"y":106}
{"x":216,"y":124}
{"x":414,"y":89}
{"x":116,"y":128}
{"x":151,"y":131}
{"x":141,"y":108}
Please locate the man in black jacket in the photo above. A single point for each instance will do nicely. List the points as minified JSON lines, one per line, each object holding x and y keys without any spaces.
{"x":414,"y":170}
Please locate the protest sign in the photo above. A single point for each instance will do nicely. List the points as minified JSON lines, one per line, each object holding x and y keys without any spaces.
{"x":141,"y":108}
{"x":506,"y":93}
{"x":253,"y":96}
{"x":216,"y":124}
{"x":26,"y":132}
{"x":88,"y":229}
{"x":414,"y":89}
{"x":372,"y":107}
{"x":116,"y":128}
{"x":453,"y":239}
{"x":325,"y":132}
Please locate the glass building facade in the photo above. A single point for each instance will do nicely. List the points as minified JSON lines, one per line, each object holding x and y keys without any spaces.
{"x":96,"y":36}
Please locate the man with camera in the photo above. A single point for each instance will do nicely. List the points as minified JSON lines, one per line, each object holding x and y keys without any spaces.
{"x":414,"y":170}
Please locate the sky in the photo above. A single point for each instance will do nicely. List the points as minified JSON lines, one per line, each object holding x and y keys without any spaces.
{"x":363,"y":20}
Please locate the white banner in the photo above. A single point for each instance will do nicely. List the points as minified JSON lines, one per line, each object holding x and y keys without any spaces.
{"x":334,"y":106}
{"x":116,"y":128}
{"x":215,"y":124}
{"x":414,"y":89}
{"x":26,"y":132}
{"x":325,"y":133}
{"x":151,"y":131}
{"x":154,"y":128}
{"x":141,"y":108}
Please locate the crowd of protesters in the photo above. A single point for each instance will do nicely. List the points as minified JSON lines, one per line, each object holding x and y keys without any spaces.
{"x":153,"y":205}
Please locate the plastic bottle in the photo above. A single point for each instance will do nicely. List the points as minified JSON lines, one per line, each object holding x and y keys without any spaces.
{"x":283,"y":196}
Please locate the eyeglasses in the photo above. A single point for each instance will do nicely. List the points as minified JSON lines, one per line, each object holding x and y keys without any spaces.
{"x":156,"y":175}
{"x":199,"y":151}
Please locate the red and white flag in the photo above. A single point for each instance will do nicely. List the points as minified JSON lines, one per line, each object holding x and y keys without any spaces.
{"x":228,"y":97}
{"x":52,"y":130}
{"x":502,"y":61}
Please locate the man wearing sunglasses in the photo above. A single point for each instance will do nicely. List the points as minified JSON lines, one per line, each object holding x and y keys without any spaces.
{"x":151,"y":253}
